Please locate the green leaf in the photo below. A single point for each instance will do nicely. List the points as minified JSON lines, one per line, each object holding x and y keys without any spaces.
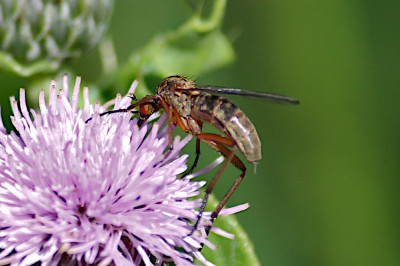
{"x":239,"y":251}
{"x":191,"y":54}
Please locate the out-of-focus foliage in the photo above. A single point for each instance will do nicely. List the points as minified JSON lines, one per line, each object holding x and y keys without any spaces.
{"x":196,"y":47}
{"x":36,"y":37}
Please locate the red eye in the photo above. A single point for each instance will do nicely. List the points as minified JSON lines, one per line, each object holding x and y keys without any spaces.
{"x":144,"y":109}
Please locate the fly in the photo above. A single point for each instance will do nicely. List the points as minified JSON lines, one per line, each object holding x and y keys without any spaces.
{"x":189,"y":106}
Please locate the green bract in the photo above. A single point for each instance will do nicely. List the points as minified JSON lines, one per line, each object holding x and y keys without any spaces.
{"x":239,"y":251}
{"x":36,"y":36}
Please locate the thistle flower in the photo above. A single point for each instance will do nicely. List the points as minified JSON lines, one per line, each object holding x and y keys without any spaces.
{"x":102,"y":192}
{"x":37,"y":36}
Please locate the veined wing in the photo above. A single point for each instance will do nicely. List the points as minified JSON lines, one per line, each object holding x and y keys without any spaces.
{"x":275,"y":98}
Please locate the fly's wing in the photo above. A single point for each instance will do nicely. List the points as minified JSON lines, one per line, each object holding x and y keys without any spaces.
{"x":274,"y":98}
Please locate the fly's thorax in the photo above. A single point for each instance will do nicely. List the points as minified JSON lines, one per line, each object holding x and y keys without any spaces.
{"x":172,"y":91}
{"x":180,"y":101}
{"x":175,"y":82}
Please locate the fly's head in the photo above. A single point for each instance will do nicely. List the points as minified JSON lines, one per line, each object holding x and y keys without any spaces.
{"x":148,"y":106}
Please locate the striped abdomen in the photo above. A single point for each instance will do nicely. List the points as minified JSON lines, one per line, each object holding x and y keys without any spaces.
{"x":229,"y":119}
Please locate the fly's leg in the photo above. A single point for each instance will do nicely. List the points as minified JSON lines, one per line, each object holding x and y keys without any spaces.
{"x":142,"y":120}
{"x":188,"y":172}
{"x":170,"y":123}
{"x":133,"y":97}
{"x":237,"y":182}
{"x":173,"y":118}
{"x":218,"y":143}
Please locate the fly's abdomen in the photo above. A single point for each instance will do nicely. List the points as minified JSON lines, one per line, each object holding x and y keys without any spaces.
{"x":240,"y":128}
{"x":229,"y":119}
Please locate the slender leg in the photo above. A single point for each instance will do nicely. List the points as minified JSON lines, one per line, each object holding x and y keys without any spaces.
{"x":229,"y":194}
{"x":188,"y":172}
{"x":173,"y":118}
{"x":200,"y":124}
{"x":216,"y":139}
{"x":142,"y":119}
{"x":170,"y":123}
{"x":218,"y":142}
{"x":206,"y":137}
{"x":168,"y":110}
{"x":133,"y":97}
{"x":230,"y":158}
{"x":211,"y":186}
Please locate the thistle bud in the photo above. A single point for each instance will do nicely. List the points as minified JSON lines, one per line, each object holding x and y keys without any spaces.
{"x":37,"y":36}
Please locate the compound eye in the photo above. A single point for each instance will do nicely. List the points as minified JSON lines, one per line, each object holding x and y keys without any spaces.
{"x":144,"y":109}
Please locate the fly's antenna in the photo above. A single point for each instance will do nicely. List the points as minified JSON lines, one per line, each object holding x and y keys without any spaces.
{"x":114,"y":112}
{"x":129,"y":109}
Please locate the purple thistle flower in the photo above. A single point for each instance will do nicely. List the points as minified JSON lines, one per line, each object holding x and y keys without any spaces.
{"x":102,"y":192}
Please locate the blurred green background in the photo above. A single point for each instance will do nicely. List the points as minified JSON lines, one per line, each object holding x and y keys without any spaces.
{"x":326,"y":190}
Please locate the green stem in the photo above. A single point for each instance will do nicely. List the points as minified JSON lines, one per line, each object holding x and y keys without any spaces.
{"x":199,"y":24}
